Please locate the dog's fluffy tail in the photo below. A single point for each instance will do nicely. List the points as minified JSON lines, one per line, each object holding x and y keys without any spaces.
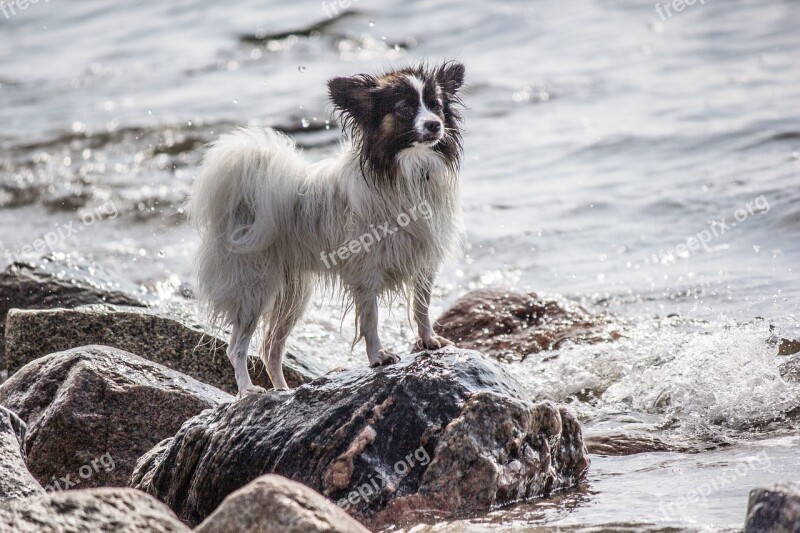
{"x":237,"y":201}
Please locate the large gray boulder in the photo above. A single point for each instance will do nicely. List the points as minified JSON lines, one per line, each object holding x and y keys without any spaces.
{"x":82,"y":511}
{"x":175,"y":338}
{"x":93,"y":411}
{"x":65,"y":282}
{"x":274,"y":504}
{"x":447,"y":432}
{"x":15,"y":480}
{"x":510,"y":325}
{"x":774,"y":510}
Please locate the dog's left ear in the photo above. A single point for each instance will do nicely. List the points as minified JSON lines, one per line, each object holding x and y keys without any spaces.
{"x":451,"y":77}
{"x":353,"y":95}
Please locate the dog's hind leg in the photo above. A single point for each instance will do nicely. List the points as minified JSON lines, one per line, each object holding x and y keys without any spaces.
{"x":241,"y":334}
{"x":428,"y":340}
{"x":286,"y":312}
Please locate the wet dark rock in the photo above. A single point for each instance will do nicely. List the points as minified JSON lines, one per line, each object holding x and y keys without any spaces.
{"x":274,"y":504}
{"x":57,"y":282}
{"x":15,"y":480}
{"x":173,"y":338}
{"x":81,"y":511}
{"x":774,"y":510}
{"x":788,"y":347}
{"x":446,"y":432}
{"x":511,"y":325}
{"x":93,"y":411}
{"x":619,"y":444}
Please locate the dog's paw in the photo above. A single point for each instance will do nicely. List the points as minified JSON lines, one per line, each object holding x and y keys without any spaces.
{"x":252,"y":389}
{"x":383,"y":357}
{"x":434,"y":343}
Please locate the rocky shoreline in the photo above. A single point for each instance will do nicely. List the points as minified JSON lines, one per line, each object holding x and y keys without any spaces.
{"x":117,"y":411}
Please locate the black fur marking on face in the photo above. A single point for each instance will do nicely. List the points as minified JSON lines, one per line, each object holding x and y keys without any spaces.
{"x":378,"y":114}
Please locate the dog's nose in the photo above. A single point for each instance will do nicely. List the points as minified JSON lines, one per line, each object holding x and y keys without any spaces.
{"x":433,"y":126}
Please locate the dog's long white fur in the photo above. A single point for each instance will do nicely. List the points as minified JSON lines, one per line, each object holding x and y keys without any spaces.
{"x":266,"y":215}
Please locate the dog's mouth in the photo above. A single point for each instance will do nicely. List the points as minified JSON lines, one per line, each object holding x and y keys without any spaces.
{"x":430,"y":139}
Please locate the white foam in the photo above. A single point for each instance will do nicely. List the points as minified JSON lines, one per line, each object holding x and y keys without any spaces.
{"x":717,"y":377}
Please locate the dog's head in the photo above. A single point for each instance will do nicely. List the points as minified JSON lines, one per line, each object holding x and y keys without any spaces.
{"x":414,"y":108}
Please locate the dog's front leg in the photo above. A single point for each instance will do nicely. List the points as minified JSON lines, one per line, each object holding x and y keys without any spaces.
{"x":367,"y":308}
{"x":428,"y":340}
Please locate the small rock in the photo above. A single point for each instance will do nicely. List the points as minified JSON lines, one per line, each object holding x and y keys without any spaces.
{"x":80,"y":511}
{"x":93,"y":411}
{"x":788,"y":347}
{"x":63,"y":282}
{"x":774,"y":510}
{"x":510,"y":325}
{"x":619,"y":444}
{"x":446,"y":432}
{"x":176,"y":339}
{"x":790,"y":370}
{"x":274,"y":504}
{"x":15,"y":480}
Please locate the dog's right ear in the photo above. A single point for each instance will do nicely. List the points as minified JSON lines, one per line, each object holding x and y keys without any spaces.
{"x":353,"y":95}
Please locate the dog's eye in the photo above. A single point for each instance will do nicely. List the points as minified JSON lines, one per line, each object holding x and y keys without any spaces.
{"x":437,"y":107}
{"x":402,"y":108}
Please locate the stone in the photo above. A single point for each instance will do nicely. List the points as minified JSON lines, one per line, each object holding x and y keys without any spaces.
{"x":58,"y":281}
{"x":175,"y":338}
{"x":774,"y":510}
{"x":274,"y":504}
{"x":93,"y":411}
{"x":447,"y":432}
{"x":15,"y":480}
{"x":788,"y":347}
{"x":511,"y":326}
{"x":81,"y":511}
{"x":620,"y":444}
{"x":790,"y":369}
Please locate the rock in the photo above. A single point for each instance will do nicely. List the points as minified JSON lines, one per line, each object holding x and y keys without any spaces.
{"x":510,"y":325}
{"x":445,"y":432}
{"x":93,"y":411}
{"x":57,"y":282}
{"x":15,"y":480}
{"x":774,"y":510}
{"x":176,"y":339}
{"x":790,"y":370}
{"x":79,"y":511}
{"x":788,"y":347}
{"x":274,"y":504}
{"x":619,"y":444}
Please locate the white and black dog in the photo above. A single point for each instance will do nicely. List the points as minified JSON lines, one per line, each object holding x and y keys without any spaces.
{"x":271,"y":223}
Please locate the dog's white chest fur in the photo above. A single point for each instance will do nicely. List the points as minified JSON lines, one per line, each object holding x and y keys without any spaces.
{"x":387,"y":234}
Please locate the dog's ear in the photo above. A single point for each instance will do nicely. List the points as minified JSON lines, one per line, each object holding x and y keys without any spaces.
{"x":353,"y":95}
{"x":451,"y":77}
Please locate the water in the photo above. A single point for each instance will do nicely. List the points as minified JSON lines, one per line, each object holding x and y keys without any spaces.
{"x":600,"y":138}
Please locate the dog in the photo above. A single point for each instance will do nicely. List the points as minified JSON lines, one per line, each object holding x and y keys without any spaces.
{"x":273,"y":225}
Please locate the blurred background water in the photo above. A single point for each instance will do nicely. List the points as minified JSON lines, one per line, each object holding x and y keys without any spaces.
{"x":601,"y":136}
